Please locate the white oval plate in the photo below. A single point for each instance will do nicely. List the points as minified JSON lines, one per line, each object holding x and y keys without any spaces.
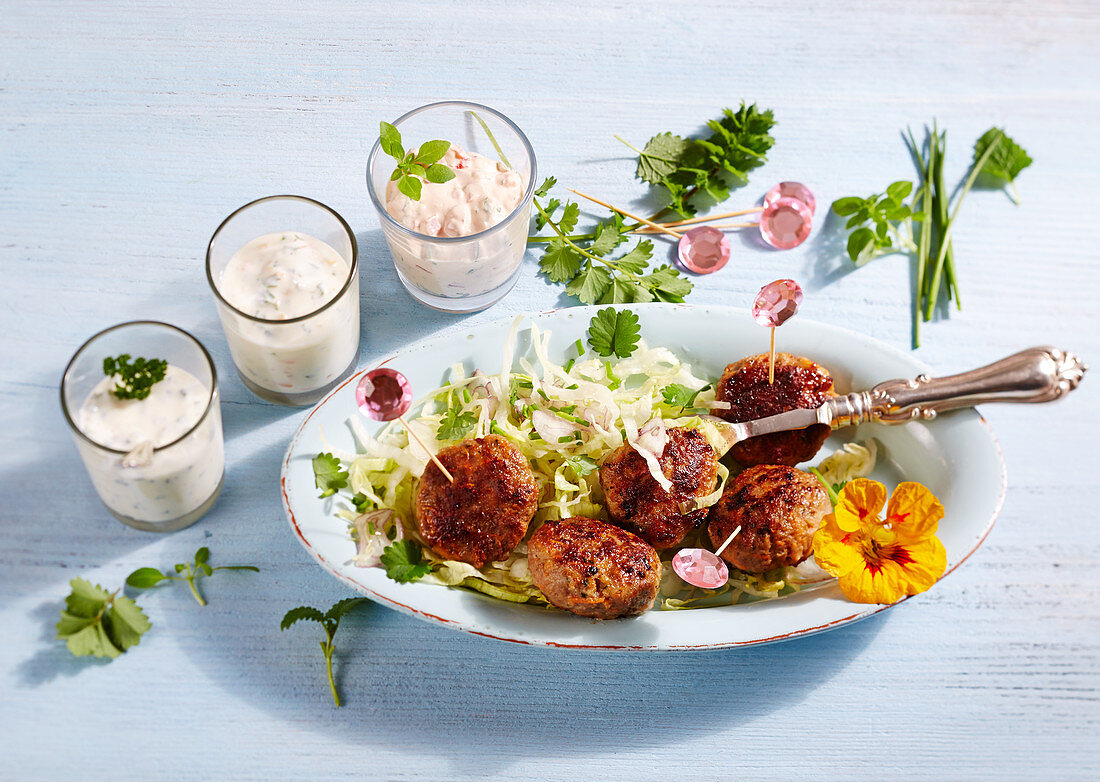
{"x":956,"y":456}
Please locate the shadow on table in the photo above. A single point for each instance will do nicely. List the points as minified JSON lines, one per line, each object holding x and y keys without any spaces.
{"x":413,"y":686}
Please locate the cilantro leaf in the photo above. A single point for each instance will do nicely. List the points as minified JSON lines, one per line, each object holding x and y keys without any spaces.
{"x":560,"y":262}
{"x":402,"y":561}
{"x":668,"y":284}
{"x":134,"y":380}
{"x":546,"y":186}
{"x":1005,"y":162}
{"x":590,"y":284}
{"x":608,"y":237}
{"x":455,"y":425}
{"x":581,"y":465}
{"x":330,"y":622}
{"x":677,"y":395}
{"x":569,"y":216}
{"x":327,"y":475}
{"x":613,"y":333}
{"x":99,"y":623}
{"x":638,"y":258}
{"x":660,"y":157}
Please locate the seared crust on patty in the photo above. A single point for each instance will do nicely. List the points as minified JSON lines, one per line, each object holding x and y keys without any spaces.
{"x":484,"y":514}
{"x":592,"y":568}
{"x":778,"y":509}
{"x":637,"y":502}
{"x":799,"y":383}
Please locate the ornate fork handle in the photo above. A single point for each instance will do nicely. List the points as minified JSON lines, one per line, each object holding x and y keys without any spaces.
{"x":1039,"y":374}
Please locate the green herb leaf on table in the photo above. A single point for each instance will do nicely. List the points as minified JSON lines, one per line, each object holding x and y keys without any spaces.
{"x":612,"y":332}
{"x":882,"y":222}
{"x":327,"y":475}
{"x":98,"y":623}
{"x":1004,"y":164}
{"x":402,"y":561}
{"x":134,"y":379}
{"x":330,"y":622}
{"x":188,"y":572}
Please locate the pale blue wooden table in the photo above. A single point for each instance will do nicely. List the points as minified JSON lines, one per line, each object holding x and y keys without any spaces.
{"x":131,"y":130}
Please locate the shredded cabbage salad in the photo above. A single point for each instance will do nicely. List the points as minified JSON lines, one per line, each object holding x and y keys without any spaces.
{"x":565,"y":419}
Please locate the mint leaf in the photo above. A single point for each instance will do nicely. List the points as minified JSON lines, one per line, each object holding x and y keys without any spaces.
{"x":1005,"y":162}
{"x":432,"y":151}
{"x":390,"y":139}
{"x":614,"y":333}
{"x":327,"y":475}
{"x":341,"y":609}
{"x":330,"y":622}
{"x":301,"y":614}
{"x":439,"y":173}
{"x":402,"y":561}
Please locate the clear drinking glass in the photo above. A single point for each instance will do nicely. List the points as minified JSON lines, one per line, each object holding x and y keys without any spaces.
{"x":463,"y":273}
{"x":298,"y":360}
{"x":157,"y":489}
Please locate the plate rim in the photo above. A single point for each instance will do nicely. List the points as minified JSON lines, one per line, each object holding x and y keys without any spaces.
{"x":469,"y":627}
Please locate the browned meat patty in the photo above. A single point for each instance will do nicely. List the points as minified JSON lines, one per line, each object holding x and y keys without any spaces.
{"x":799,"y":383}
{"x":484,"y":514}
{"x":593,"y":568}
{"x":637,"y":502}
{"x":778,"y":509}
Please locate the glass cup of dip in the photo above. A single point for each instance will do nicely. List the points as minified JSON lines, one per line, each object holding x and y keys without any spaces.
{"x":285,"y":274}
{"x":157,"y":463}
{"x":457,"y":273}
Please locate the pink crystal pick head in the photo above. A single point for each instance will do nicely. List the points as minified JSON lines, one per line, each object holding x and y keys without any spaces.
{"x":795,"y":190}
{"x":785,"y":223}
{"x":700,"y":568}
{"x":704,"y":250}
{"x":776,"y":302}
{"x":383,"y":394}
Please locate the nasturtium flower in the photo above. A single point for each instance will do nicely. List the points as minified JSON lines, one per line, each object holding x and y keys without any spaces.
{"x":882,"y":560}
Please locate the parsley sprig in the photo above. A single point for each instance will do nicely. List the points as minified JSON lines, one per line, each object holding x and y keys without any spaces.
{"x":134,"y":379}
{"x":415,"y":166}
{"x":329,"y":621}
{"x":100,"y":623}
{"x":190,"y":572}
{"x":403,"y":561}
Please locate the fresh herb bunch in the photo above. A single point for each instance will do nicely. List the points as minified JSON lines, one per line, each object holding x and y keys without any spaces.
{"x":148,"y":577}
{"x":699,"y":173}
{"x":883,"y":221}
{"x":330,"y":621}
{"x":100,"y":623}
{"x":135,"y":379}
{"x":997,"y":162}
{"x":415,"y":166}
{"x":692,"y":173}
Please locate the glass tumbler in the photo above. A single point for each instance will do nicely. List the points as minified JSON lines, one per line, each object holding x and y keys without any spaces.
{"x":463,"y":273}
{"x":297,"y":360}
{"x":169,"y":486}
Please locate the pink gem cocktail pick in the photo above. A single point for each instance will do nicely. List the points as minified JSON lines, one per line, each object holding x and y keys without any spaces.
{"x":700,"y":568}
{"x":774,"y":304}
{"x":385,"y":394}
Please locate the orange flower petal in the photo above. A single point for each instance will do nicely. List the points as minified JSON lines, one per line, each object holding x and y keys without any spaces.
{"x":860,"y":502}
{"x":914,"y":512}
{"x":835,"y":550}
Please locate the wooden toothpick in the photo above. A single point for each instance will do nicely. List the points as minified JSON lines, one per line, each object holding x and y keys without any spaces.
{"x":427,"y":450}
{"x":625,"y":213}
{"x":693,"y":220}
{"x":771,"y":360}
{"x":729,"y":540}
{"x":720,"y":226}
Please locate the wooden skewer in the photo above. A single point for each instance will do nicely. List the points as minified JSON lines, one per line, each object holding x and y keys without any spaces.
{"x":427,"y":450}
{"x":625,"y":213}
{"x":693,"y":220}
{"x":721,"y":226}
{"x":729,"y":540}
{"x":771,"y":360}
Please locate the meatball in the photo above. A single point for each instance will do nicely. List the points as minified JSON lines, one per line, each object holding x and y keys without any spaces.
{"x":799,"y":383}
{"x":778,"y":509}
{"x":637,"y":502}
{"x":484,"y":514}
{"x":593,"y":568}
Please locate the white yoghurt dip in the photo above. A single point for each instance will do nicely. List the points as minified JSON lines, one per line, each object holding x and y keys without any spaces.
{"x":482,"y":193}
{"x":147,"y":485}
{"x":281,"y":276}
